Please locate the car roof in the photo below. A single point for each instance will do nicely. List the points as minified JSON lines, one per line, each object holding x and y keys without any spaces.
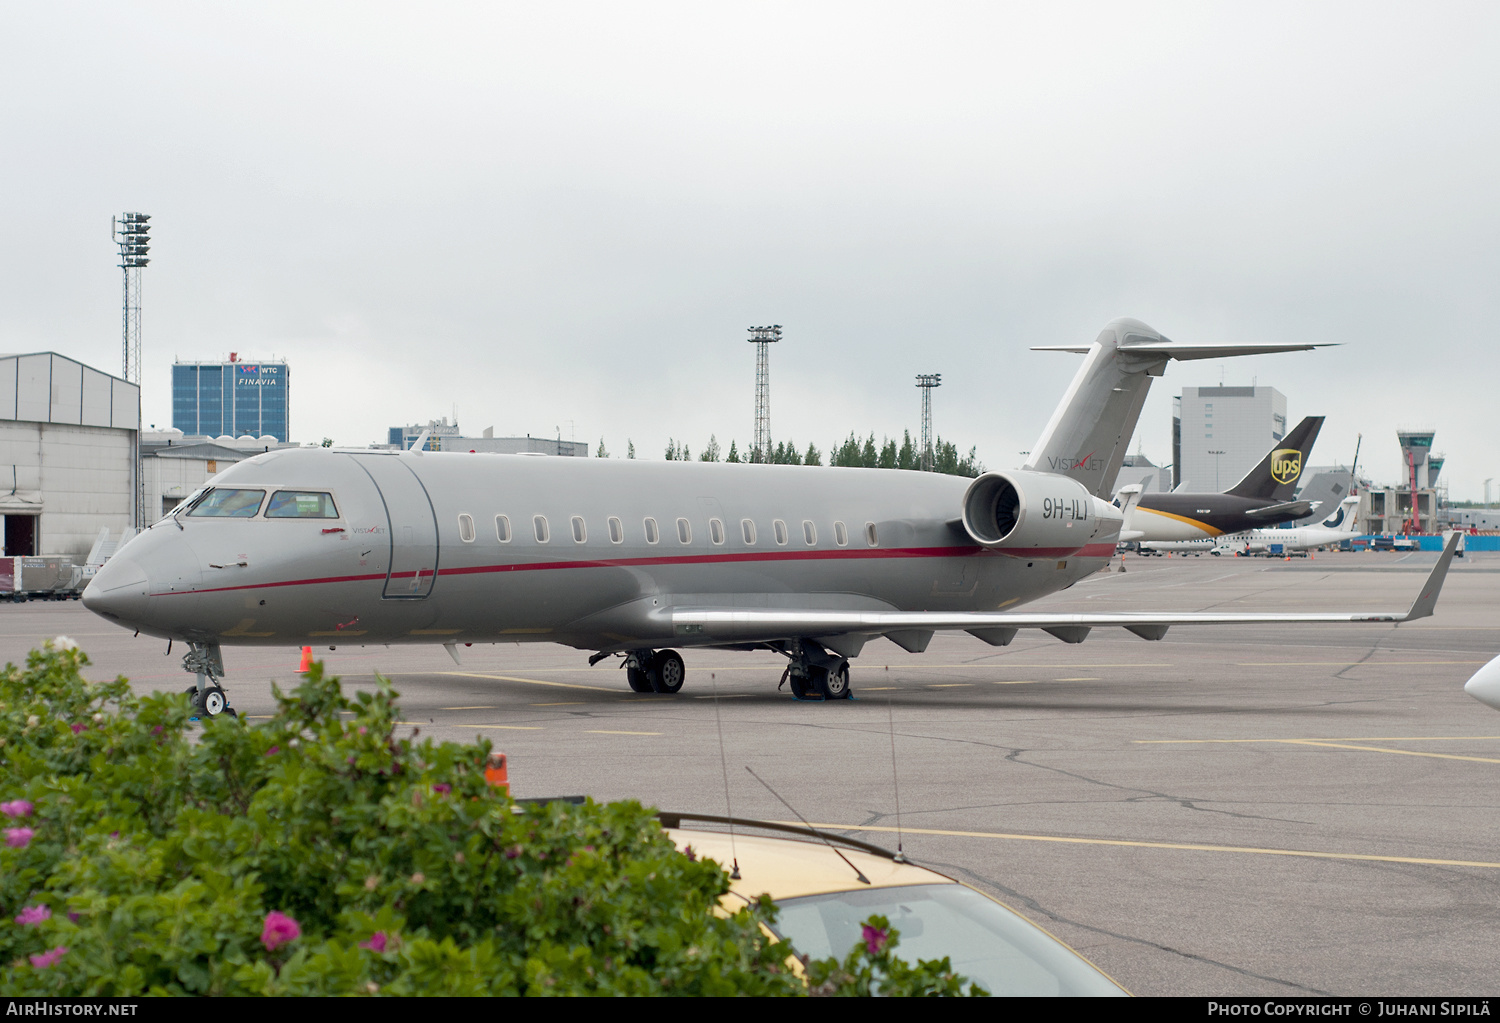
{"x":786,"y":868}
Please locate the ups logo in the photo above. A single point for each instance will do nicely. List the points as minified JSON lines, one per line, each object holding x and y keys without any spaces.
{"x":1286,"y":465}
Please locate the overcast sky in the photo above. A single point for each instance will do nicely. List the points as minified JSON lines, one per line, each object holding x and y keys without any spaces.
{"x":564,"y":216}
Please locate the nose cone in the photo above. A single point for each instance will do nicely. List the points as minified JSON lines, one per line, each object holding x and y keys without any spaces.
{"x":118,"y":591}
{"x":1485,"y":685}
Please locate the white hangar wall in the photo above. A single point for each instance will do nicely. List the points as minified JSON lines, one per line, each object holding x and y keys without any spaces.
{"x":68,"y":439}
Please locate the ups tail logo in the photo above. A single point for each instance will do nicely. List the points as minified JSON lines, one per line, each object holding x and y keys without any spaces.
{"x":1286,"y":465}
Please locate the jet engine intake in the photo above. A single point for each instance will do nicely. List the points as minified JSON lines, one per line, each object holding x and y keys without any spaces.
{"x":1017,"y":508}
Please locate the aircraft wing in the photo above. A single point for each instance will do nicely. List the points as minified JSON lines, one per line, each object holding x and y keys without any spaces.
{"x":913,"y":629}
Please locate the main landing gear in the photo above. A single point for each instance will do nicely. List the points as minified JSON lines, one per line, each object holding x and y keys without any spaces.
{"x":654,"y":671}
{"x":815,"y":673}
{"x":209,"y":698}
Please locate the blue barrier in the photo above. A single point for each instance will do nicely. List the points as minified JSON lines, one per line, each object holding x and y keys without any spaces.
{"x":1435,"y":543}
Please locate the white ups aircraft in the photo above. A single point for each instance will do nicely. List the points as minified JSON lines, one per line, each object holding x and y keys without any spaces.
{"x":629,"y":558}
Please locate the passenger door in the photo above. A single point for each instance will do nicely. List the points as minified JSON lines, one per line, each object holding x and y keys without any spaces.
{"x":413,"y":525}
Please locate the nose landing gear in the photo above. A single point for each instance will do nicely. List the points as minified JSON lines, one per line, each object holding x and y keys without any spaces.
{"x":206,"y":662}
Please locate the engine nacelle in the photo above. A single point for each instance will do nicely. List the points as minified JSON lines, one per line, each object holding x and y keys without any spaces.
{"x":1017,"y":508}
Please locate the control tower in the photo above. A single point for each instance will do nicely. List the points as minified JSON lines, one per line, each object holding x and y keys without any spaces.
{"x":1416,"y":445}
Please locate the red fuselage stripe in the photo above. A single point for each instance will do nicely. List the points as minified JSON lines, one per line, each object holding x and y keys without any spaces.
{"x":1098,"y":550}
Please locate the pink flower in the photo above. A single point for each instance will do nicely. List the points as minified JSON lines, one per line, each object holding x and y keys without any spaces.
{"x":73,"y":918}
{"x":273,"y":750}
{"x":513,"y":852}
{"x":33,"y":915}
{"x":442,"y":788}
{"x":78,"y":728}
{"x":376,"y":942}
{"x":279,"y":930}
{"x":17,"y":808}
{"x":875,"y":938}
{"x":18,"y":838}
{"x":46,"y":959}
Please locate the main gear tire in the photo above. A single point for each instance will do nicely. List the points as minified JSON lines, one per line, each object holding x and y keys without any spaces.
{"x":640,"y":681}
{"x":833,"y":683}
{"x":667,"y":671}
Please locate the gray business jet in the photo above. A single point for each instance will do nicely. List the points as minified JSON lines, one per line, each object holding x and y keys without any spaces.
{"x":629,"y":558}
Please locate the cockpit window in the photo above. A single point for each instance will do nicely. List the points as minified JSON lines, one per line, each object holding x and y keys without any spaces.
{"x":301,"y":504}
{"x":225,"y":504}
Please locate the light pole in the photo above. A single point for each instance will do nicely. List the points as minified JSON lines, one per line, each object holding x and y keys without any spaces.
{"x":1216,"y":455}
{"x":927,"y":381}
{"x":761,"y":337}
{"x":132,"y":233}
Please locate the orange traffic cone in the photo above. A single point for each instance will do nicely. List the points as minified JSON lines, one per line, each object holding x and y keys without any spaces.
{"x":306,"y":660}
{"x":495,"y":772}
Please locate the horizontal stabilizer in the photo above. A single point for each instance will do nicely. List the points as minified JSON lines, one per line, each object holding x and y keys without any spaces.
{"x":1283,"y":511}
{"x":1185,"y":353}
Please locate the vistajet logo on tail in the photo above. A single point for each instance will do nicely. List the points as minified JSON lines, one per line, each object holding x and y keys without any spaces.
{"x":1088,"y":463}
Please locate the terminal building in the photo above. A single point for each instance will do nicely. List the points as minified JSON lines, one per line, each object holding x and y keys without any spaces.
{"x":445,"y":436}
{"x":1220,"y":433}
{"x":69,"y":436}
{"x":231,"y":398}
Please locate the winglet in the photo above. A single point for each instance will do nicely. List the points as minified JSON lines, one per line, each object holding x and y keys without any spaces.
{"x":1427,"y":600}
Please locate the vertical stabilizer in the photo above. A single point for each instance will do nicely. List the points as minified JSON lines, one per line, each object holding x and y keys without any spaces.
{"x":1089,"y":433}
{"x":1275,"y":477}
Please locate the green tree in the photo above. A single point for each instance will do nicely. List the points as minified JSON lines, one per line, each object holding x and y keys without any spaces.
{"x":710,"y":453}
{"x":602,"y":452}
{"x":629,"y":448}
{"x":887,"y":455}
{"x":813,"y":456}
{"x":734,"y":455}
{"x":907,"y":457}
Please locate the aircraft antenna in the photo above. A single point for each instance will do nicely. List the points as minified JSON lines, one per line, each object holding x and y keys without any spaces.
{"x":927,"y":381}
{"x":724,"y":765}
{"x":895,"y":782}
{"x":809,"y":827}
{"x":761,"y":337}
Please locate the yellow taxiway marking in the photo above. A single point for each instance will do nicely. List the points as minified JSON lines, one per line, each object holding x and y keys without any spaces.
{"x":1186,"y":846}
{"x":1351,"y":664}
{"x":508,"y":728}
{"x":1015,"y":682}
{"x":528,"y":681}
{"x":607,"y":731}
{"x":726,"y":696}
{"x":483,"y":706}
{"x":1352,"y":744}
{"x":878,"y":689}
{"x":565,"y":703}
{"x":1075,"y":680}
{"x":949,"y":685}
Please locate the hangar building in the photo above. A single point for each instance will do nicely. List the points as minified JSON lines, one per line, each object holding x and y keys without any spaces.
{"x":68,"y":441}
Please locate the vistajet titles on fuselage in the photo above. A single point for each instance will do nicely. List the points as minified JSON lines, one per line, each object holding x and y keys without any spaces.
{"x":323,"y":546}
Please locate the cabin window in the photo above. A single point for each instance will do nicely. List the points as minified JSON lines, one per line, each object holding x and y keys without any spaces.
{"x":466,"y":527}
{"x":779,"y":528}
{"x":840,"y":534}
{"x":652,"y":536}
{"x":748,"y":528}
{"x":229,"y":504}
{"x":502,"y":528}
{"x":870,"y":535}
{"x":580,"y":532}
{"x":809,"y":532}
{"x":616,"y":530}
{"x":301,"y":504}
{"x":539,"y":524}
{"x":716,"y":531}
{"x":684,"y":531}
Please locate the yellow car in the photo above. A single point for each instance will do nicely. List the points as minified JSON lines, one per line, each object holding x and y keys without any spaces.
{"x":823,"y":904}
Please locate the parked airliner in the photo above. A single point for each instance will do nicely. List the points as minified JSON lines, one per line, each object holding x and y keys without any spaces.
{"x":629,"y":558}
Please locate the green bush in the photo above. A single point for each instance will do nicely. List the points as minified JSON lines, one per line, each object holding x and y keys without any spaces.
{"x":318,"y":854}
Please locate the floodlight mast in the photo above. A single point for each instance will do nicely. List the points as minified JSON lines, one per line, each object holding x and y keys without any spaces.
{"x":131,"y":232}
{"x":761,"y":337}
{"x":927,"y":381}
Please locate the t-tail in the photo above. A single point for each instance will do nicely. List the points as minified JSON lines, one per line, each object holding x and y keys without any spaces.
{"x":1089,"y":432}
{"x":1346,"y":518}
{"x":1275,"y":478}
